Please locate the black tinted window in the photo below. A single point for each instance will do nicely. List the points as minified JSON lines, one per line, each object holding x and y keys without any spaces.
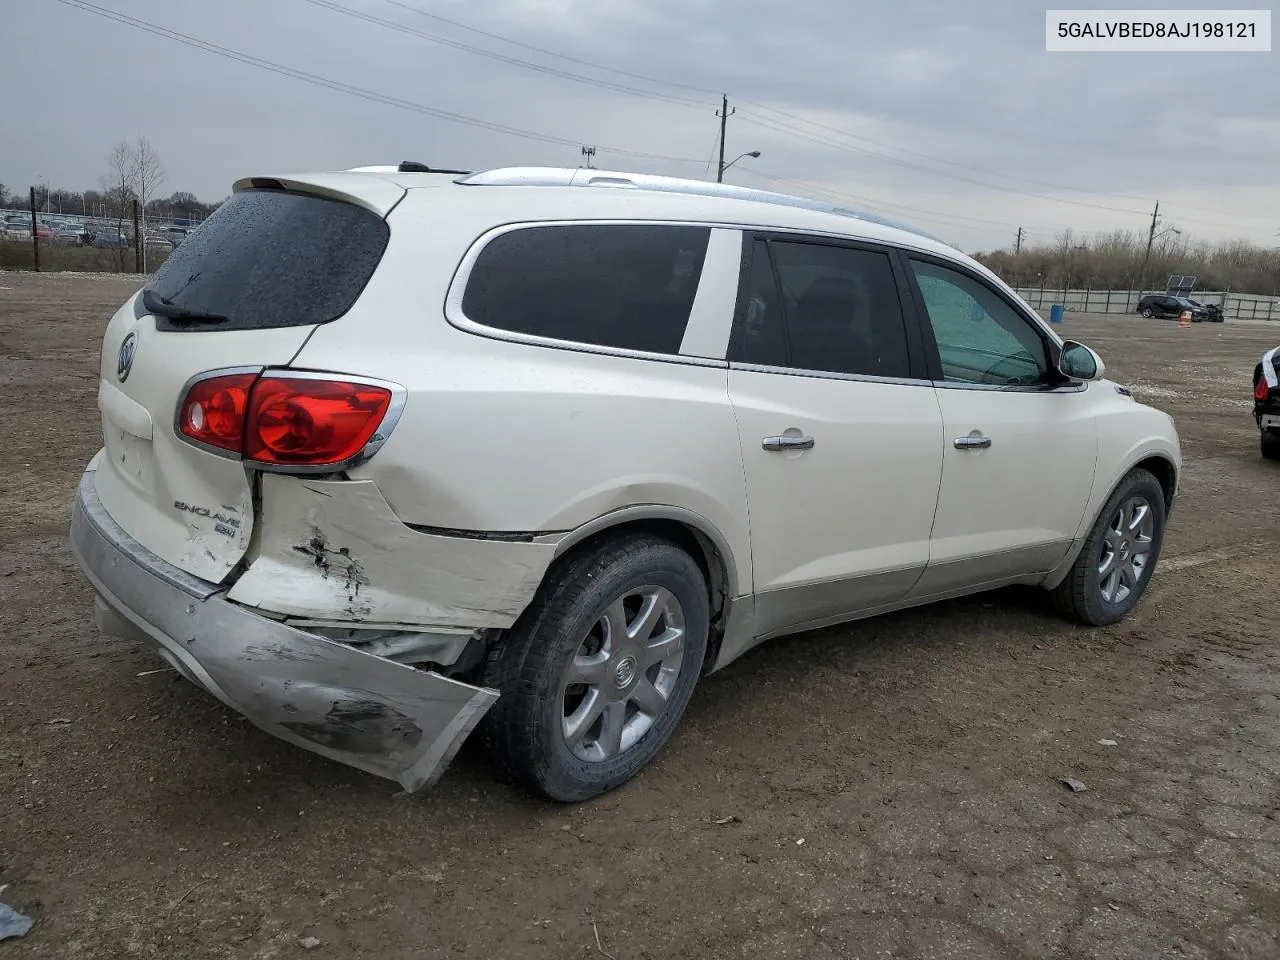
{"x":611,"y":285}
{"x":760,"y":335}
{"x":841,"y":310}
{"x":272,"y":259}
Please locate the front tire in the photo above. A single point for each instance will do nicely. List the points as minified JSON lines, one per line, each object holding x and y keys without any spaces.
{"x":1146,"y":312}
{"x":1119,"y":556}
{"x":598,"y":670}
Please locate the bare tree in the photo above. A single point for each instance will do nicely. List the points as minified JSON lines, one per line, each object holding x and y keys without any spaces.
{"x":147,"y":175}
{"x":117,"y":186}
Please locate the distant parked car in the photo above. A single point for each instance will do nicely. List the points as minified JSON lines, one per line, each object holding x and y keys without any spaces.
{"x":15,"y":230}
{"x":175,"y":235}
{"x":45,"y":232}
{"x":71,"y":233}
{"x":109,"y":238}
{"x":1213,"y":312}
{"x":1163,"y":305}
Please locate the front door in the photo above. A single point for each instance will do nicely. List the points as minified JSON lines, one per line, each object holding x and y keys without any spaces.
{"x":840,"y":432}
{"x":1019,"y":447}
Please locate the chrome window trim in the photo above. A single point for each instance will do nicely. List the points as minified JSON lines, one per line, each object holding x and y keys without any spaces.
{"x":458,"y":284}
{"x":827,"y":374}
{"x":454,"y":314}
{"x":1003,"y":388}
{"x":399,"y":397}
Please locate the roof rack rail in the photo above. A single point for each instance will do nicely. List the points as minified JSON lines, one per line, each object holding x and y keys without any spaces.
{"x":579,"y":177}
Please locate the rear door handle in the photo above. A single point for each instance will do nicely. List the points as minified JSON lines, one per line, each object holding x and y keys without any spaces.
{"x":972,"y":443}
{"x":787,"y":443}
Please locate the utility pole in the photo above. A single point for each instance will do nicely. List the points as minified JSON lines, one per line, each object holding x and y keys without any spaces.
{"x":35,"y":232}
{"x":589,"y":152}
{"x":1151,"y":238}
{"x":724,"y":115}
{"x":1017,"y":246}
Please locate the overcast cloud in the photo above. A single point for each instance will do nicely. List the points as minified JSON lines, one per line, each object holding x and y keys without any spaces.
{"x":966,"y":82}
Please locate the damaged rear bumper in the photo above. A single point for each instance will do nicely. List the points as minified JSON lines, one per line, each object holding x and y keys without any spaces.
{"x":367,"y":712}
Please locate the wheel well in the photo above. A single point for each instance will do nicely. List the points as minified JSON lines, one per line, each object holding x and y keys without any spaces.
{"x":1164,"y":472}
{"x":694,"y":542}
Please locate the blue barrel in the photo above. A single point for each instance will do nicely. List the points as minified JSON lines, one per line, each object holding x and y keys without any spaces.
{"x":1055,"y":313}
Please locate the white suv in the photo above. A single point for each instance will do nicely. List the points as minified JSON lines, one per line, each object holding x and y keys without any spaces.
{"x":390,"y":451}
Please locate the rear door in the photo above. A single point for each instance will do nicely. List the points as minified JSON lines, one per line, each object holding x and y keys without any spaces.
{"x":840,"y":434}
{"x":245,"y":291}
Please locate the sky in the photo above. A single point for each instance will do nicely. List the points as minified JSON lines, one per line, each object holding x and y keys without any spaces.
{"x":946,"y":115}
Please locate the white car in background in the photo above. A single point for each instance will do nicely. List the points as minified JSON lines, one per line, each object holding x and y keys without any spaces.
{"x":15,"y":229}
{"x":392,"y":452}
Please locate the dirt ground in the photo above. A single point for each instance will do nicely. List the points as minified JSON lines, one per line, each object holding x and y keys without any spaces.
{"x":889,"y":789}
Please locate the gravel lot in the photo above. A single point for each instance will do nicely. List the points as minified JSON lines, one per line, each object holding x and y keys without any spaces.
{"x":886,"y":789}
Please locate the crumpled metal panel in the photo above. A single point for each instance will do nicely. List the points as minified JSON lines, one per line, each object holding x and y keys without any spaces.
{"x":361,"y":710}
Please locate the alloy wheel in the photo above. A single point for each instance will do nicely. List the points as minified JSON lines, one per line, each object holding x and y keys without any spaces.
{"x":1126,"y":550}
{"x":622,"y":674}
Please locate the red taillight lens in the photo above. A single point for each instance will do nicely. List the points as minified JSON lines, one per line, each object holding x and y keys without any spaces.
{"x":213,"y":411}
{"x":306,"y":422}
{"x":1260,"y":389}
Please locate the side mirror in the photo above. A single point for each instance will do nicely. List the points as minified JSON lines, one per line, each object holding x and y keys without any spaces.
{"x":1078,"y":362}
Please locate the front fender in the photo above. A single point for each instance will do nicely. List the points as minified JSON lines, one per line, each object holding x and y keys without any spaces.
{"x":1128,"y":436}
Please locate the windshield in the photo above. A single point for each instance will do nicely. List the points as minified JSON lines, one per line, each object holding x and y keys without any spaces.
{"x":269,"y":258}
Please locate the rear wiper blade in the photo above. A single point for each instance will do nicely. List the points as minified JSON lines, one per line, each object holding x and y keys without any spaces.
{"x":164,"y":307}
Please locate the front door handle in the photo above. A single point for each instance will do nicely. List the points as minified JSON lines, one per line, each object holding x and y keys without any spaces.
{"x":972,"y":442}
{"x":787,"y":443}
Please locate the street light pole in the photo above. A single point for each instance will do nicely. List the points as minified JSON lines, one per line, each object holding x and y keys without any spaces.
{"x":753,"y":154}
{"x":724,"y":118}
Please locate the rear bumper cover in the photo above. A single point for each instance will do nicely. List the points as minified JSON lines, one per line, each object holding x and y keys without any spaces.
{"x":361,"y":710}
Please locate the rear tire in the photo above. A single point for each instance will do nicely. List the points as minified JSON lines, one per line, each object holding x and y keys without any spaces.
{"x":1119,"y":556}
{"x":598,"y":670}
{"x":1271,"y":444}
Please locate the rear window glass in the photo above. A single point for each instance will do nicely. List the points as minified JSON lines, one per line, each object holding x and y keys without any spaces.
{"x":267,"y":258}
{"x":610,"y":285}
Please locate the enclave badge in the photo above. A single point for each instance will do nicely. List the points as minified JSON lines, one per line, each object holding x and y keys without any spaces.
{"x":124,"y":361}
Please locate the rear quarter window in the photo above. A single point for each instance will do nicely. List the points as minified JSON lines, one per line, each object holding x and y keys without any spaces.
{"x":270,"y":258}
{"x":624,"y":286}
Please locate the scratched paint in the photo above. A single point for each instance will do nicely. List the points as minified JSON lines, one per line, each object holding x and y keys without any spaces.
{"x":335,"y":550}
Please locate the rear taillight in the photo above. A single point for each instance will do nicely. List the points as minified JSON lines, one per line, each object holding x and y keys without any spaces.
{"x":285,"y":420}
{"x":312,"y":422}
{"x":213,"y":411}
{"x":1260,"y":389}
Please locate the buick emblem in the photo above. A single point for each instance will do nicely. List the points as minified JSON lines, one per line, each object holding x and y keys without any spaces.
{"x":124,"y":360}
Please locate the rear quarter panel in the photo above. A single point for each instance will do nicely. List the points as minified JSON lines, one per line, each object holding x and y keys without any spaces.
{"x":509,"y":437}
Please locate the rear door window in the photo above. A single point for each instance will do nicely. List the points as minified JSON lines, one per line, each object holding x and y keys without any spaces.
{"x":823,"y":308}
{"x":269,"y":258}
{"x":624,"y":286}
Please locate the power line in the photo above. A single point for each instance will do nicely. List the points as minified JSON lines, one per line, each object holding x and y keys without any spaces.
{"x":933,"y":159}
{"x":514,"y":61}
{"x":946,"y":219}
{"x":549,"y":53}
{"x":349,"y":89}
{"x":790,"y":116}
{"x":783,"y":127}
{"x":791,"y":129}
{"x":760,"y":106}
